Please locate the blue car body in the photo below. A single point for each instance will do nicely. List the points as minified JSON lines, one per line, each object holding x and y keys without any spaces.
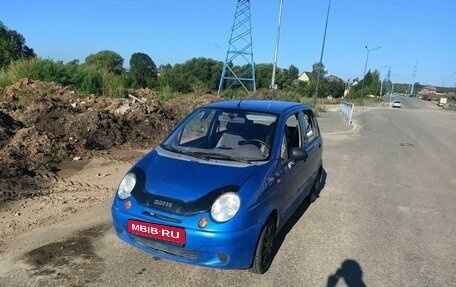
{"x":169,"y":212}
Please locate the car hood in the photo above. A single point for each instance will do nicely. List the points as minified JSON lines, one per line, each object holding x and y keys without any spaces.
{"x":190,"y":180}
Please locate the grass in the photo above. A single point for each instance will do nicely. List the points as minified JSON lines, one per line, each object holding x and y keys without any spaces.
{"x":451,"y":104}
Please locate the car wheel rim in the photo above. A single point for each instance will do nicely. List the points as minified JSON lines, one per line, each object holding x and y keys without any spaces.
{"x":268,"y":243}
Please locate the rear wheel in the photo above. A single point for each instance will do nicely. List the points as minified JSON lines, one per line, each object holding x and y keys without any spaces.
{"x":265,"y":249}
{"x":315,"y":191}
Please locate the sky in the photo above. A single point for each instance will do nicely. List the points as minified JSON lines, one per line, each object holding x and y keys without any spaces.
{"x":416,"y":37}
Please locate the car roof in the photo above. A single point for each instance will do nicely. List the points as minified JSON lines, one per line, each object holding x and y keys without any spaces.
{"x":271,"y":106}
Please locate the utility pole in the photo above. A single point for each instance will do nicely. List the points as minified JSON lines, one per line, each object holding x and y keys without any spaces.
{"x":454,"y":72}
{"x":392,"y":91}
{"x":381,"y":81}
{"x":388,"y":79}
{"x":443,"y":83}
{"x":321,"y":55}
{"x":365,"y":67}
{"x":414,"y":78}
{"x":276,"y":53}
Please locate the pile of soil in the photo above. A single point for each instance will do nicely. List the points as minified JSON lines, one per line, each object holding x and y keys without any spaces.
{"x":42,"y":124}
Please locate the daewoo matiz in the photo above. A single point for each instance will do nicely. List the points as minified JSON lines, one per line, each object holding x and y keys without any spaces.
{"x":222,"y":183}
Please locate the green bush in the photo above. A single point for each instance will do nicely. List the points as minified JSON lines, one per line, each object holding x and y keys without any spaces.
{"x":165,"y":93}
{"x":38,"y":69}
{"x":82,"y":78}
{"x":114,"y":85}
{"x":4,"y":80}
{"x":91,"y":81}
{"x":22,"y":69}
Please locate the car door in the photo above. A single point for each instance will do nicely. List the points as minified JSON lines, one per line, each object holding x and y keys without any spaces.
{"x":293,"y":172}
{"x":313,"y":146}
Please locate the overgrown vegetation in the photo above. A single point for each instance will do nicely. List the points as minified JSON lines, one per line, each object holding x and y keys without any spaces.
{"x":103,"y":74}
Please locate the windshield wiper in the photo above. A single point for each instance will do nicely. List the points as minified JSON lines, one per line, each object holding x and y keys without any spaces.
{"x":203,"y":155}
{"x":222,"y":156}
{"x":171,"y":148}
{"x":184,"y":152}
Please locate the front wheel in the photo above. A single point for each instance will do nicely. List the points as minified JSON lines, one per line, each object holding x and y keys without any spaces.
{"x":265,"y":249}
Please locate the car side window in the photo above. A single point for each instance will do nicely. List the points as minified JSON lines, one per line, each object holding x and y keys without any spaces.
{"x":311,"y":129}
{"x":291,"y":136}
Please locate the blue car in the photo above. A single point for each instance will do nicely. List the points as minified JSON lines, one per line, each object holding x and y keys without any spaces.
{"x":224,"y":181}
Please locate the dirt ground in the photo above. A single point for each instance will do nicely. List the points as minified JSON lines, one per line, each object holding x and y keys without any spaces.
{"x":61,"y":152}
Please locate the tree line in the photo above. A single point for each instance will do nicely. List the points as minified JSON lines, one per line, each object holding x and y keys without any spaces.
{"x":372,"y":85}
{"x":103,"y":73}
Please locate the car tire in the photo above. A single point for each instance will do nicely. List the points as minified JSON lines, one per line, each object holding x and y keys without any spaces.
{"x":315,"y":191}
{"x":264,"y":252}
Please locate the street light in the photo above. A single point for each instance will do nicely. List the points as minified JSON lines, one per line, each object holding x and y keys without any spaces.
{"x":365,"y":66}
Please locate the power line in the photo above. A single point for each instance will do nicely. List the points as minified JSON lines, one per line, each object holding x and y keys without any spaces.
{"x":394,"y":18}
{"x":414,"y":4}
{"x":125,"y":2}
{"x":381,"y":16}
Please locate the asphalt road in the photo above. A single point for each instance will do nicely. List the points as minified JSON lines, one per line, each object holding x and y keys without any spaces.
{"x":386,"y":217}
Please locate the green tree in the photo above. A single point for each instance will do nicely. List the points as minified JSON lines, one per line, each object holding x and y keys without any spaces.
{"x":318,"y":68}
{"x":335,"y":88}
{"x":263,"y":75}
{"x":174,"y":81}
{"x":12,"y":47}
{"x":86,"y":79}
{"x":106,"y":60}
{"x":371,"y":83}
{"x":142,"y":70}
{"x":401,"y":88}
{"x":203,"y":71}
{"x":197,"y":74}
{"x":290,"y":75}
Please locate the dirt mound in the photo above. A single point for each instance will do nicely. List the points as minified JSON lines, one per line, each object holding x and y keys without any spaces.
{"x":8,"y":127}
{"x":43,"y":123}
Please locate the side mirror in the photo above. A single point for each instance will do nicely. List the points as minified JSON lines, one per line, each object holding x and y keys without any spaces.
{"x":298,"y":154}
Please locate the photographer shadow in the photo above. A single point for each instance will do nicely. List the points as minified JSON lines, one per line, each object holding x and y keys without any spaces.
{"x":351,"y":272}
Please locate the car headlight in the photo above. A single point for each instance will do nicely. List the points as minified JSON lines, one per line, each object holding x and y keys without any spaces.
{"x":225,"y":207}
{"x":126,"y":185}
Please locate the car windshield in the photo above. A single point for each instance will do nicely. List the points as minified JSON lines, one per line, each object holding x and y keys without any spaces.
{"x":218,"y":134}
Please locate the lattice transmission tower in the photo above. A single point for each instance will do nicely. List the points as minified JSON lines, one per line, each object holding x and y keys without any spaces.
{"x":239,"y":68}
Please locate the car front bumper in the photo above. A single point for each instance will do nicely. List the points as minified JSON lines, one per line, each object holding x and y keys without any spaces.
{"x":224,"y":250}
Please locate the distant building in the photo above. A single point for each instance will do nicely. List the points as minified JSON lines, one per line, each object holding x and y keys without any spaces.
{"x":305,"y":77}
{"x":428,"y":93}
{"x":428,"y":90}
{"x":332,"y":78}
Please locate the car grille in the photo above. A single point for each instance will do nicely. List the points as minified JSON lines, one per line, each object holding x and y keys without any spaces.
{"x":162,"y":217}
{"x":168,"y":248}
